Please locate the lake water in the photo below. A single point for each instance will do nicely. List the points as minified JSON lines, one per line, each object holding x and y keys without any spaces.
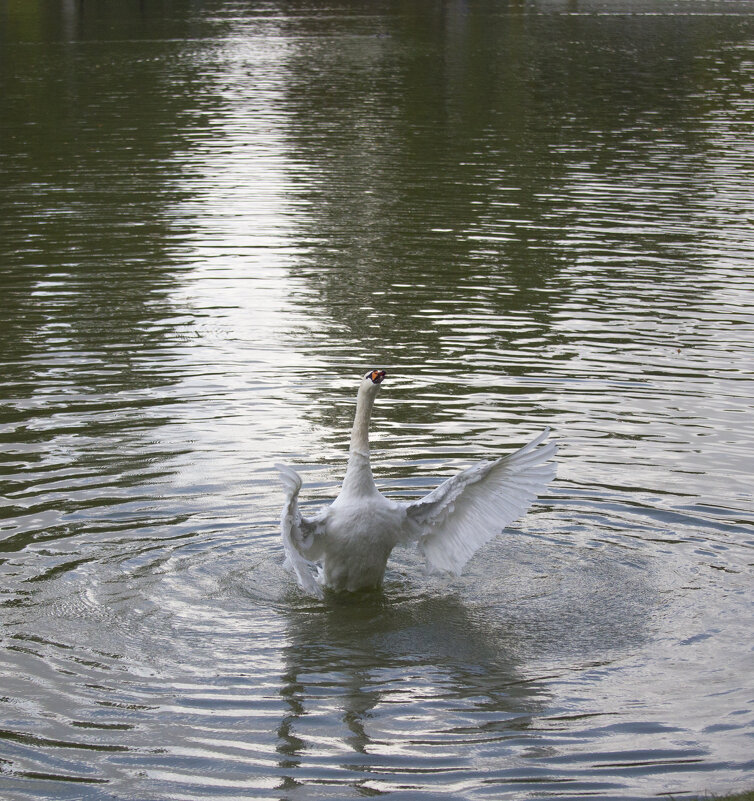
{"x":215,"y":217}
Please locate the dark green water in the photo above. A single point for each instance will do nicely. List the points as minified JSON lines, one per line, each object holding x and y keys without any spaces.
{"x":214,"y":217}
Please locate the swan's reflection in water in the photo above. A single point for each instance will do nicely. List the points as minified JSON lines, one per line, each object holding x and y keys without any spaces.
{"x":428,"y":683}
{"x":390,"y":686}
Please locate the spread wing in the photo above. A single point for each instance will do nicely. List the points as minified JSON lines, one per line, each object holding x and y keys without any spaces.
{"x":467,"y":510}
{"x":299,"y":534}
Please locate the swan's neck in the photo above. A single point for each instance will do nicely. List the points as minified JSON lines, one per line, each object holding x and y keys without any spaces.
{"x":359,"y":472}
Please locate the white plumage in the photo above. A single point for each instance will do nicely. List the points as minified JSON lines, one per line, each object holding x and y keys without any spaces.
{"x":347,"y":545}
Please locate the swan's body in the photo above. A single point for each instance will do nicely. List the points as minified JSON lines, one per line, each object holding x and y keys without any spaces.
{"x":347,"y":545}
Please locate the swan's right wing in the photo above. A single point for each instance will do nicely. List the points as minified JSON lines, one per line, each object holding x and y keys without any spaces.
{"x":299,"y":534}
{"x":467,"y":510}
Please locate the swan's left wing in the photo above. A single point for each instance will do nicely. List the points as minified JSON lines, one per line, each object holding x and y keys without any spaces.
{"x":467,"y":510}
{"x":299,"y":534}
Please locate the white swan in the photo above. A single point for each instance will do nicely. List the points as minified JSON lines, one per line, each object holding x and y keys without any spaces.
{"x":346,"y":546}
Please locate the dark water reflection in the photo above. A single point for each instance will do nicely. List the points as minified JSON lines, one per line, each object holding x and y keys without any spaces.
{"x":212,"y":217}
{"x":402,"y":689}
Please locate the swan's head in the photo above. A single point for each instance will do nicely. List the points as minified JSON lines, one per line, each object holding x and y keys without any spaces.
{"x":375,"y":376}
{"x":372,"y":381}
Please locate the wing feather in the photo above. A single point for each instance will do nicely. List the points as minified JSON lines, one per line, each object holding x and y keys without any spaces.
{"x":453,"y":521}
{"x":298,"y":534}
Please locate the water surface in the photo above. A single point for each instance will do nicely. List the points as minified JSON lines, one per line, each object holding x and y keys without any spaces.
{"x":213,"y":220}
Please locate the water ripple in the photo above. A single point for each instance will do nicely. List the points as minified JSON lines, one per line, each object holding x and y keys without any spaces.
{"x":213,"y":219}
